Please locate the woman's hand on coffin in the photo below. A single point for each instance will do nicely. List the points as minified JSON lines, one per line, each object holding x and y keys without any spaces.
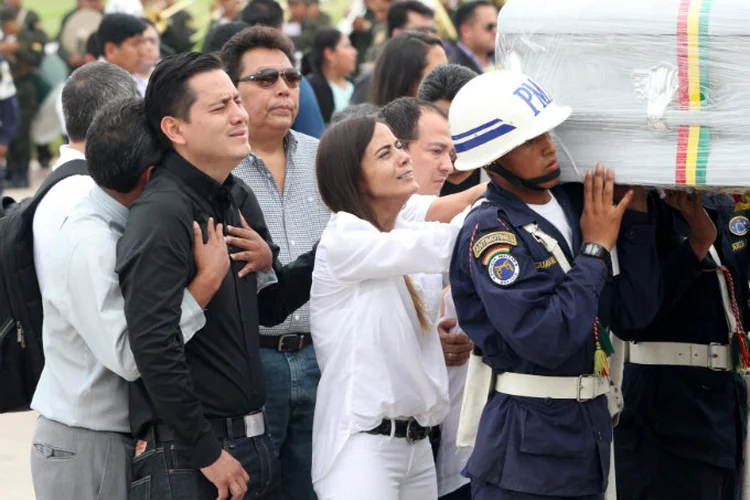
{"x":600,"y":221}
{"x":702,"y":228}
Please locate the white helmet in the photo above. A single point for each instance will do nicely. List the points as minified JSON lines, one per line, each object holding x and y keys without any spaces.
{"x":495,"y":113}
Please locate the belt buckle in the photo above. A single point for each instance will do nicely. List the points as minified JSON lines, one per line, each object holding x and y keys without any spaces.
{"x":255,"y":424}
{"x":712,"y":356}
{"x":579,"y":388}
{"x":284,"y":338}
{"x":411,"y":438}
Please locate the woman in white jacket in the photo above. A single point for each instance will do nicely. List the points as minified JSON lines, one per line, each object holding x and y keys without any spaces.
{"x":383,"y":379}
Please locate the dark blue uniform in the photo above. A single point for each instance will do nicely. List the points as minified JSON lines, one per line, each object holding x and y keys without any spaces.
{"x":528,"y":316}
{"x":681,"y":433}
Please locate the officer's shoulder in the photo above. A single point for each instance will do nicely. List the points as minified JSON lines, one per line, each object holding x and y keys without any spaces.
{"x":487,"y":215}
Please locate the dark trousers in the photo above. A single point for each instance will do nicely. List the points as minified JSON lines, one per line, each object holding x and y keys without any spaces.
{"x":486,"y":491}
{"x":19,"y":150}
{"x":162,"y":471}
{"x":43,"y":155}
{"x":645,"y":472}
{"x":463,"y":493}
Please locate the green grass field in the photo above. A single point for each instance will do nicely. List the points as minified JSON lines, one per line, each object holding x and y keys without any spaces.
{"x":52,"y":11}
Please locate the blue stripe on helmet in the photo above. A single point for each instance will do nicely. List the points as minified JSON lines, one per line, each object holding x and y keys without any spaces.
{"x":484,"y":138}
{"x":476,"y":129}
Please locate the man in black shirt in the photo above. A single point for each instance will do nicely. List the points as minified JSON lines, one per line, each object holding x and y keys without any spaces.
{"x":197,"y":408}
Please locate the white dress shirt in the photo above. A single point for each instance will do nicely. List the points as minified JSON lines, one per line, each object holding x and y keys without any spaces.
{"x":376,"y":362}
{"x":54,"y":209}
{"x":415,"y":209}
{"x":87,"y":351}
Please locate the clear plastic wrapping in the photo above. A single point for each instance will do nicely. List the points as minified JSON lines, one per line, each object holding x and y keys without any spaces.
{"x":659,"y":88}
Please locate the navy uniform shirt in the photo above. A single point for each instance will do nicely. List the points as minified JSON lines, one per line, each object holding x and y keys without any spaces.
{"x":691,"y":412}
{"x":528,"y":316}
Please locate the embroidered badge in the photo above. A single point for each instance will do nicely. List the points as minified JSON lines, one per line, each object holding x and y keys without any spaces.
{"x":503,"y":269}
{"x":496,"y":250}
{"x":739,"y":226}
{"x":738,"y":245}
{"x":488,"y":240}
{"x":546,"y":264}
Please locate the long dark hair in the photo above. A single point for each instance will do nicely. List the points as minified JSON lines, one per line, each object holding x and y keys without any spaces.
{"x":327,"y":38}
{"x":338,"y":167}
{"x":400,"y":65}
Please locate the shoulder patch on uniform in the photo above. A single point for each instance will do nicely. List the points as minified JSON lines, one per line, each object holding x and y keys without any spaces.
{"x":492,"y":252}
{"x":503,"y":269}
{"x":488,"y":240}
{"x":738,"y":245}
{"x":546,"y":264}
{"x":739,"y":226}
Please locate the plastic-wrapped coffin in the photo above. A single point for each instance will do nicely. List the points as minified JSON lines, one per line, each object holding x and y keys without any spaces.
{"x":660,"y":89}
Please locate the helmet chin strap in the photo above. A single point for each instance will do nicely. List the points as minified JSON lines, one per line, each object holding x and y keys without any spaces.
{"x":532,"y":184}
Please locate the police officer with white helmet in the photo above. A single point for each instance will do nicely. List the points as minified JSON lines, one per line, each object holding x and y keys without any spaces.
{"x":534,"y":288}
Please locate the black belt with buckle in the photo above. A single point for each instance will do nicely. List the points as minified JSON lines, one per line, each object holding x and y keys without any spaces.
{"x":409,"y":429}
{"x":290,"y":342}
{"x":233,"y":427}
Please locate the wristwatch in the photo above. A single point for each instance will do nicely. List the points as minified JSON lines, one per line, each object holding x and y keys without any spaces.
{"x":597,"y":252}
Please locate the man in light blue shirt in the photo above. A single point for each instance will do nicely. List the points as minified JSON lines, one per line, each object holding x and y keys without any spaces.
{"x":82,"y":445}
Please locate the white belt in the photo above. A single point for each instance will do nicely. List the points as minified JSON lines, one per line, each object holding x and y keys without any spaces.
{"x":716,"y":357}
{"x":581,"y":388}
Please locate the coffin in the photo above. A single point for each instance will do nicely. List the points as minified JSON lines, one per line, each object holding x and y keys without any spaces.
{"x":660,"y":89}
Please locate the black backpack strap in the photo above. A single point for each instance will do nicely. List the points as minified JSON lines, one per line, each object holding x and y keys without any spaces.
{"x":67,"y":169}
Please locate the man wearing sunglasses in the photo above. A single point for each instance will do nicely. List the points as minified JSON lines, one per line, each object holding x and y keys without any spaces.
{"x":410,"y":15}
{"x":281,"y":172}
{"x":476,"y":23}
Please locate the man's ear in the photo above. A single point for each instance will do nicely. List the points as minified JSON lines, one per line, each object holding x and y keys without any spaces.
{"x":463,"y":30}
{"x":147,"y":173}
{"x":109,"y":50}
{"x":171,"y":127}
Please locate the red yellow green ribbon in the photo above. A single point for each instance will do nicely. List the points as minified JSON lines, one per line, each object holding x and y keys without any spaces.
{"x":692,"y":66}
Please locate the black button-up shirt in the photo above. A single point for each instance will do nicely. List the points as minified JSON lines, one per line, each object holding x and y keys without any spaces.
{"x":218,"y":373}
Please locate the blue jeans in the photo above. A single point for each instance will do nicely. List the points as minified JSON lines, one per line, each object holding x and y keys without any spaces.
{"x":292,"y":382}
{"x":162,"y":471}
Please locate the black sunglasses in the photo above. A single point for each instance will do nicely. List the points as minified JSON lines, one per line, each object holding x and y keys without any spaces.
{"x":269,"y":76}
